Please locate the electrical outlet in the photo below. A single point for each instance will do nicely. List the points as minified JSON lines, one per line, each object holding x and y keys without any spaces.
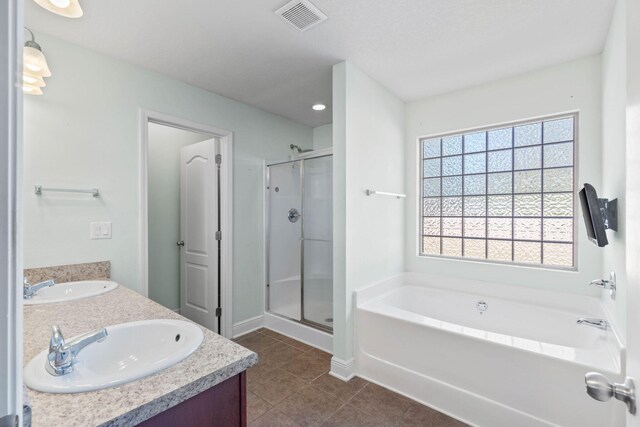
{"x":100,"y":230}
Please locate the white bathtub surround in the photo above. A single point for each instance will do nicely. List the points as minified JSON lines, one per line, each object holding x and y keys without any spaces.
{"x":520,"y":362}
{"x":298,"y":331}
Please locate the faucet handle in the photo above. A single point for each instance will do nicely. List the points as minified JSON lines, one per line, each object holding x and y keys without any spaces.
{"x":607,"y":284}
{"x":57,"y":339}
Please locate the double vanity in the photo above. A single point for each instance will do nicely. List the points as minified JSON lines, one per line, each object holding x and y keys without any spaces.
{"x":100,"y":354}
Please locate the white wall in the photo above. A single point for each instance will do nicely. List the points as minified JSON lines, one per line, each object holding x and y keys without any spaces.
{"x":165,"y":144}
{"x":84,"y":132}
{"x":323,"y":137}
{"x":614,"y":99}
{"x":341,"y":335}
{"x":368,"y":134}
{"x":566,"y":87}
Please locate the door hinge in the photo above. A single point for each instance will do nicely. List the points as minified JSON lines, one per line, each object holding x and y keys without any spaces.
{"x":218,"y":159}
{"x":219,"y":312}
{"x":218,"y":235}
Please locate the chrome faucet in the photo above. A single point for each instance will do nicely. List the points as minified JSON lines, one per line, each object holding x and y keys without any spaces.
{"x":29,"y":290}
{"x":62,"y":356}
{"x":607,"y":284}
{"x":596,"y":323}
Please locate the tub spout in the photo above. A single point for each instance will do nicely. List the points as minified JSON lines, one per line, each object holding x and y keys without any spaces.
{"x":596,"y":323}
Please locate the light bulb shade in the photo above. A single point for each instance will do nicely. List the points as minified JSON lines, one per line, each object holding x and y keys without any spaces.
{"x":32,"y":79}
{"x":31,"y":90}
{"x":35,"y":62}
{"x":66,"y":8}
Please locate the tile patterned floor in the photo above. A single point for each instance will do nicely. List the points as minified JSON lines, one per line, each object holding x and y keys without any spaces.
{"x":291,"y":387}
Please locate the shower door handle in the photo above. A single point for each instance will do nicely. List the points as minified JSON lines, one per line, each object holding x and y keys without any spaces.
{"x":180,"y":243}
{"x":293,"y":215}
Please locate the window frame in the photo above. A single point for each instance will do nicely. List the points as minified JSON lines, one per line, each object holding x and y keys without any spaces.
{"x":575,"y":114}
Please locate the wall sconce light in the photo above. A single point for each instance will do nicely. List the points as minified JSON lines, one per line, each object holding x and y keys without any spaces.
{"x":66,"y":8}
{"x":34,"y":67}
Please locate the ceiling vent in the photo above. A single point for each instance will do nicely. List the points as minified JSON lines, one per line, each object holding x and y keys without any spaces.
{"x":301,"y":14}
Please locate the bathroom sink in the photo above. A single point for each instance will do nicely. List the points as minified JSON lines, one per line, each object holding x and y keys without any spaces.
{"x":70,"y":291}
{"x":131,"y":351}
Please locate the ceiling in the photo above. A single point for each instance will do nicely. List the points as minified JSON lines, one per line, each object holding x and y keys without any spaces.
{"x":416,"y":48}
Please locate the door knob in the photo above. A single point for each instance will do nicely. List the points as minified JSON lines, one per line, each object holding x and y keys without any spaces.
{"x":599,"y":388}
{"x":180,"y":243}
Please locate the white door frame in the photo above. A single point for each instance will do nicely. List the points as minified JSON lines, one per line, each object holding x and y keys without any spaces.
{"x":226,"y":206}
{"x":11,"y":19}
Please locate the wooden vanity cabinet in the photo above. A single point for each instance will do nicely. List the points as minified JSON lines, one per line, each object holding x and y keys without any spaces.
{"x":223,"y":405}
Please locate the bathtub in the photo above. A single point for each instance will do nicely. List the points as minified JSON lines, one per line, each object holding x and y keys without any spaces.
{"x":487,"y":354}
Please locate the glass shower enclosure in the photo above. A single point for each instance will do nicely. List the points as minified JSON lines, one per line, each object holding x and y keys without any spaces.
{"x":299,"y":232}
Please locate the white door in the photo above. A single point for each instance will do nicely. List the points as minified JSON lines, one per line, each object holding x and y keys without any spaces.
{"x":198,"y":227}
{"x":633,"y":199}
{"x":284,"y":280}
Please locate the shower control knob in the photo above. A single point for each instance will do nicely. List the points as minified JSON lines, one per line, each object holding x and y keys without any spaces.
{"x":293,"y":215}
{"x":599,"y":388}
{"x":482,"y":306}
{"x":180,"y":243}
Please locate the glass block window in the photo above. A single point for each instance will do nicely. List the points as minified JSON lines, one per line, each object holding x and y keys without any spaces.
{"x":503,"y":194}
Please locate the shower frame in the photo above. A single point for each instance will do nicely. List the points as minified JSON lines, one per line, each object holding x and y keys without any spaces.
{"x":327,"y":152}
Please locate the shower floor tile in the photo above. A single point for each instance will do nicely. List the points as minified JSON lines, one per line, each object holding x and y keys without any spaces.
{"x":291,"y":386}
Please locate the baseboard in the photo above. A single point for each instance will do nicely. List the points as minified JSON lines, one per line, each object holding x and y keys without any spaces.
{"x":311,"y":336}
{"x":343,"y":369}
{"x":247,"y":326}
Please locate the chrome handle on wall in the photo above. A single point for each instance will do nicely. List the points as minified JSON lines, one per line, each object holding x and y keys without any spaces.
{"x":293,"y":215}
{"x":599,"y":388}
{"x":607,"y":284}
{"x":180,"y":243}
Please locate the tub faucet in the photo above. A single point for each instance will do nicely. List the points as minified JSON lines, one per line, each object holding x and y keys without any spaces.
{"x":596,"y":323}
{"x":62,"y":356}
{"x":29,"y":290}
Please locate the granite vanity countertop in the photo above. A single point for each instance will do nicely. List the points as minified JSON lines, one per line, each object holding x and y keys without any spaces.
{"x":216,"y":360}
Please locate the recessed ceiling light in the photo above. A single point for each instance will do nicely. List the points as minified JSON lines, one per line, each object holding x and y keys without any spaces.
{"x":319,"y":107}
{"x":67,"y":8}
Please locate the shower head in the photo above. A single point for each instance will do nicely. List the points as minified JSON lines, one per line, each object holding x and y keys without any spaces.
{"x":300,"y":150}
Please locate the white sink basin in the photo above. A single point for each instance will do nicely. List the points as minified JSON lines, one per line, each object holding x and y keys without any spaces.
{"x":62,"y":292}
{"x":130,"y":352}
